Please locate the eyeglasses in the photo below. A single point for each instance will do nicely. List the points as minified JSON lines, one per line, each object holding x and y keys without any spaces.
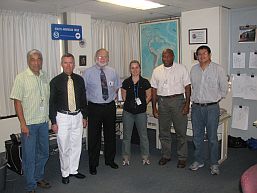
{"x":102,"y":57}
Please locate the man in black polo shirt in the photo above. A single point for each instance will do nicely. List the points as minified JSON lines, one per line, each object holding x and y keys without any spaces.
{"x":68,"y":112}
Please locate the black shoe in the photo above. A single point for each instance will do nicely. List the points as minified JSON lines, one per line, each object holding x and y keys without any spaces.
{"x":78,"y":175}
{"x":92,"y":170}
{"x":65,"y":180}
{"x":43,"y":184}
{"x":163,"y":161}
{"x":181,"y":164}
{"x":112,"y":165}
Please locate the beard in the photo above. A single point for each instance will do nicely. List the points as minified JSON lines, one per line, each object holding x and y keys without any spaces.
{"x":101,"y":64}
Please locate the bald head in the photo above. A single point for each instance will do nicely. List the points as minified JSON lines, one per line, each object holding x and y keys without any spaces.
{"x":168,"y":57}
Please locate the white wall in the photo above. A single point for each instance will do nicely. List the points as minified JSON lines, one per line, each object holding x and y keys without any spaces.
{"x":204,"y":18}
{"x":8,"y":127}
{"x":73,"y":46}
{"x":216,"y":20}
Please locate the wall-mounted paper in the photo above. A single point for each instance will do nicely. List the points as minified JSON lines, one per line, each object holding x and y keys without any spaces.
{"x":238,"y":84}
{"x":238,"y":60}
{"x":244,"y":86}
{"x":240,"y":117}
{"x":253,"y":60}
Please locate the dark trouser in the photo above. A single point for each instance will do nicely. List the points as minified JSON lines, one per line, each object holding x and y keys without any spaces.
{"x":170,"y":113}
{"x":101,"y":116}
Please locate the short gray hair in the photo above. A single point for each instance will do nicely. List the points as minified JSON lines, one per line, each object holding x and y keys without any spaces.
{"x":34,"y":51}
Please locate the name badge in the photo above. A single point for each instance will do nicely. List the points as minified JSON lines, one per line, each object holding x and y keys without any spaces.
{"x":138,"y":101}
{"x":42,"y":109}
{"x":165,"y":84}
{"x":111,"y":83}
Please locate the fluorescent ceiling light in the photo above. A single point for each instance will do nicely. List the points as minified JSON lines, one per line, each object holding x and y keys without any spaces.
{"x":137,"y":4}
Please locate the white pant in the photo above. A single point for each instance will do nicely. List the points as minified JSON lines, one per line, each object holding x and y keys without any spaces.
{"x":69,"y":139}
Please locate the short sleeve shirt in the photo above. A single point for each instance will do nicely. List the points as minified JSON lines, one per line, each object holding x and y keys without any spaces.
{"x":33,"y":92}
{"x":171,"y":80}
{"x":134,"y":91}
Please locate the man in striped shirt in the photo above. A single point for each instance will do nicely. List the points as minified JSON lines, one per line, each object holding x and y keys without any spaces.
{"x":209,"y":86}
{"x":30,"y":93}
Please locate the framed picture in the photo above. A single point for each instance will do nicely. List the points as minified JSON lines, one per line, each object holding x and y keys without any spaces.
{"x":82,"y":60}
{"x":247,"y":33}
{"x":154,"y":38}
{"x":198,"y":36}
{"x":194,"y":59}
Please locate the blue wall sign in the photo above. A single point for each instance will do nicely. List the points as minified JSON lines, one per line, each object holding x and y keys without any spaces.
{"x":66,"y":32}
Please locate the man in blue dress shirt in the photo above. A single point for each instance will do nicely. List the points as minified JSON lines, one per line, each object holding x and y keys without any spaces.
{"x":102,"y":84}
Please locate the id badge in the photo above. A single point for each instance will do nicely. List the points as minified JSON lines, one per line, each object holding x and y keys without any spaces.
{"x":165,"y":84}
{"x":111,"y":83}
{"x":138,"y":101}
{"x":42,"y":109}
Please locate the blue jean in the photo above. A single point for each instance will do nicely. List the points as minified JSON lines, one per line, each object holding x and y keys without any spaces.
{"x":141,"y":123}
{"x":205,"y":117}
{"x":35,"y":153}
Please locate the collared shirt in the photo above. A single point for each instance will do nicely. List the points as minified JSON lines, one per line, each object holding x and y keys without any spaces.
{"x":93,"y":84}
{"x":33,"y":92}
{"x":134,"y":91}
{"x":209,"y":85}
{"x":170,"y":80}
{"x":59,"y":95}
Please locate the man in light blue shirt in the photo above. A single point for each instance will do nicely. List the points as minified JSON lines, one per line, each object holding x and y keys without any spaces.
{"x":102,"y":84}
{"x":209,"y":86}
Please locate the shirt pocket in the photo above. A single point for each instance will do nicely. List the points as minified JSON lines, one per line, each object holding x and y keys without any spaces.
{"x":212,"y":82}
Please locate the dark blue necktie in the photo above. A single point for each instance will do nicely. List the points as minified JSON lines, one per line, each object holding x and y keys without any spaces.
{"x":104,"y":85}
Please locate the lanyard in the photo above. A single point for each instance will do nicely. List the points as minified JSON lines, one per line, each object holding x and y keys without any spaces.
{"x":136,"y":89}
{"x":39,"y":83}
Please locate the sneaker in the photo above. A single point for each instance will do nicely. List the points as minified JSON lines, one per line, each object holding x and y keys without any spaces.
{"x":146,"y":162}
{"x":215,"y":170}
{"x":125,"y":162}
{"x":196,"y":165}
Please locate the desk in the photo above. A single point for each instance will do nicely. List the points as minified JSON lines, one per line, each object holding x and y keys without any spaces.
{"x":152,"y":123}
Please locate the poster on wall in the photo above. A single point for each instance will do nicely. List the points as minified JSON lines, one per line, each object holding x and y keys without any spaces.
{"x":154,"y":38}
{"x":247,"y":33}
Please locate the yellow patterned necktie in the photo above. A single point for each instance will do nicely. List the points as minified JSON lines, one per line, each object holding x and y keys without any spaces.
{"x":71,"y":95}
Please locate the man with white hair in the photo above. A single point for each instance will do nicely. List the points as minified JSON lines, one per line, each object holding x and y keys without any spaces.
{"x":30,"y":93}
{"x":102,"y":84}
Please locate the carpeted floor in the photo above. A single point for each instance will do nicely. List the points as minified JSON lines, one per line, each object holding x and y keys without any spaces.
{"x":137,"y":178}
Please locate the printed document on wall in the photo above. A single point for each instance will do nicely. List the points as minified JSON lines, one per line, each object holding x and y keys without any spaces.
{"x":244,"y":86}
{"x":240,"y":117}
{"x":238,"y":60}
{"x":253,"y":60}
{"x":250,"y":88}
{"x":238,"y":85}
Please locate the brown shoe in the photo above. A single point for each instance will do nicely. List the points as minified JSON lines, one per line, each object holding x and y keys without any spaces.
{"x":163,"y":161}
{"x":181,"y":164}
{"x":43,"y":184}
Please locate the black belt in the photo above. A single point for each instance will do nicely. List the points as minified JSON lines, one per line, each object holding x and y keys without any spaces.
{"x":68,"y":112}
{"x":172,"y":96}
{"x":100,"y":104}
{"x":206,"y":104}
